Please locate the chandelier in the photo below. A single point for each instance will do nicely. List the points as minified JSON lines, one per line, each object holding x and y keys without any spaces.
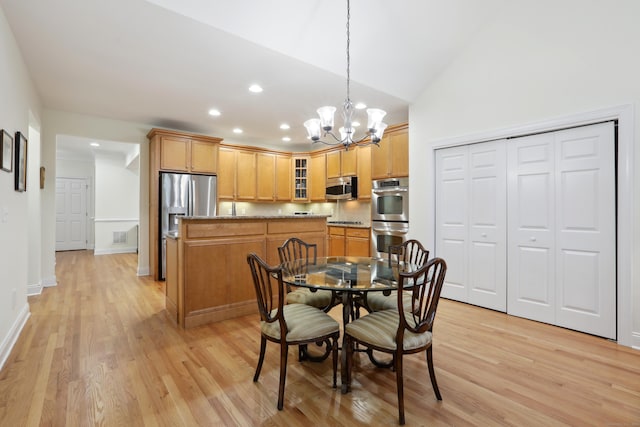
{"x":323,"y":126}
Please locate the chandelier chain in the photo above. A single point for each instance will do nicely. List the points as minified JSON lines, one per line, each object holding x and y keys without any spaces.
{"x":348,"y":55}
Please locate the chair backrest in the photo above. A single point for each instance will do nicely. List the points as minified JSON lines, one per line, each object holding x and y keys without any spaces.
{"x":411,"y":251}
{"x":294,"y":248}
{"x":268,"y":285}
{"x":425,"y":285}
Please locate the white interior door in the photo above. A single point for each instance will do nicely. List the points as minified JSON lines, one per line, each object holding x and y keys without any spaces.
{"x":488,"y":225}
{"x":585,"y":229}
{"x":452,"y":219}
{"x":531,"y":264}
{"x":71,"y":214}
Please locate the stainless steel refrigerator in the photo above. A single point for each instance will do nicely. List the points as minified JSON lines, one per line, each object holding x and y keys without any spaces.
{"x":183,"y":195}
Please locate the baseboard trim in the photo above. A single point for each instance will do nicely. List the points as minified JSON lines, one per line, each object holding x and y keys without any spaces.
{"x":635,"y":340}
{"x":35,"y":289}
{"x":10,"y":340}
{"x":49,"y":282}
{"x":111,"y":251}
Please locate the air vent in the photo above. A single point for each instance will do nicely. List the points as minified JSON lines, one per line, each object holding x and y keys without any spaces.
{"x":119,"y":237}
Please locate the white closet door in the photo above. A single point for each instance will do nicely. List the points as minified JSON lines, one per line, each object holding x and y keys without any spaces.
{"x":585,"y":230}
{"x":451,"y":219}
{"x":531,"y":211}
{"x":487,"y":225}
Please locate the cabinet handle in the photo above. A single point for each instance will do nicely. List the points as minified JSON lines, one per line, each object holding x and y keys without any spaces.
{"x":533,"y":239}
{"x":484,"y":234}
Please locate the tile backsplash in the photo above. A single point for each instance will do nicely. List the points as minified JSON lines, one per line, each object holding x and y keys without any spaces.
{"x":337,"y":211}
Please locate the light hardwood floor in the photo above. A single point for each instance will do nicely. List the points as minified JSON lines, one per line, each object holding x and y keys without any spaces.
{"x":98,"y":350}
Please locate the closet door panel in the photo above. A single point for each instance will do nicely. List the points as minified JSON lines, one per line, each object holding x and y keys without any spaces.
{"x":531,"y":274}
{"x":487,"y":225}
{"x":451,"y":219}
{"x":585,"y":236}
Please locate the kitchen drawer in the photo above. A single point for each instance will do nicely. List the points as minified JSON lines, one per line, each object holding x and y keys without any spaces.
{"x":358,"y":232}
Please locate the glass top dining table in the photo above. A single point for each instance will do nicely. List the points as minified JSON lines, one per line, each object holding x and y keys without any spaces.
{"x":350,"y":278}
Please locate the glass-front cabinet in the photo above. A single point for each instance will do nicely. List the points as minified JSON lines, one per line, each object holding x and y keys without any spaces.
{"x":300,"y":179}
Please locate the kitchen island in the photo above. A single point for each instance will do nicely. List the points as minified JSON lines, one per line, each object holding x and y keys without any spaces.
{"x":208,"y":279}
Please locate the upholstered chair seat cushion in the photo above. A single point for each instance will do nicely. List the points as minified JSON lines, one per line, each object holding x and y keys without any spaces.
{"x":377,"y":301}
{"x":380,"y":328}
{"x":320,"y":298}
{"x":303,"y":323}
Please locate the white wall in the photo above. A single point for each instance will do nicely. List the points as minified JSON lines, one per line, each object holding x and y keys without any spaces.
{"x":537,"y":61}
{"x":117,"y":204}
{"x":19,"y":107}
{"x":79,"y":125}
{"x":34,"y":194}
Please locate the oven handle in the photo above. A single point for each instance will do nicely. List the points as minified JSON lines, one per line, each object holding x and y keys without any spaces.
{"x":391,"y":190}
{"x":384,"y":229}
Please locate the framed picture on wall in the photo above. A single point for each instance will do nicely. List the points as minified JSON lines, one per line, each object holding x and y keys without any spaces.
{"x":21,"y":162}
{"x":6,"y":151}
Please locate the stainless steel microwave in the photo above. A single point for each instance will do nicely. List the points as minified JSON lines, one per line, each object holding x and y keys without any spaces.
{"x":345,"y":188}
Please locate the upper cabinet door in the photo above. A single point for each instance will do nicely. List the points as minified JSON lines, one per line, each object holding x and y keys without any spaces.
{"x":333,"y":164}
{"x":174,"y":154}
{"x":391,"y":157}
{"x":266,"y":177}
{"x":188,"y":155}
{"x":204,"y":157}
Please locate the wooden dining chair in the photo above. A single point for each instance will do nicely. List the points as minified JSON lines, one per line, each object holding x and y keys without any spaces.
{"x":400,"y":331}
{"x":287,"y":324}
{"x":409,"y":252}
{"x":297,"y":249}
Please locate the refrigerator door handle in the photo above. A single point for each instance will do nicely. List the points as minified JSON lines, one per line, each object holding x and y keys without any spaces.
{"x":192,"y":190}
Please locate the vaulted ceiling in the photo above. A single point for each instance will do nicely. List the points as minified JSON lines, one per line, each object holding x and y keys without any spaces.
{"x":166,"y":63}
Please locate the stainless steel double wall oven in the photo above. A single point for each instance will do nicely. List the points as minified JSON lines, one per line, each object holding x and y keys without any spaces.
{"x":389,"y":214}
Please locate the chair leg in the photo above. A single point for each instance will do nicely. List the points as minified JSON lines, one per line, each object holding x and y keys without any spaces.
{"x":400,"y":384}
{"x":347,"y":345}
{"x":284,"y":351}
{"x":263,"y":347}
{"x":335,"y":361}
{"x":432,"y":374}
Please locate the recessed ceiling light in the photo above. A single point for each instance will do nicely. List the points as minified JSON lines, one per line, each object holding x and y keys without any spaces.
{"x":286,"y":139}
{"x":237,"y":130}
{"x":355,"y":124}
{"x":361,"y":105}
{"x":95,"y":144}
{"x":285,"y":126}
{"x":255,"y":88}
{"x":214,"y":112}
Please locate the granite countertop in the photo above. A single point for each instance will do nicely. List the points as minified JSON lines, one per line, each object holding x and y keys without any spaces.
{"x":223,"y":217}
{"x":350,"y":224}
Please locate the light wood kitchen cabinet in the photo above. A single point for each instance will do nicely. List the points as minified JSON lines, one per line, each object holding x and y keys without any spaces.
{"x":336,"y":241}
{"x":357,"y":242}
{"x":227,"y":174}
{"x":265,"y":185}
{"x":364,"y":172}
{"x":318,"y":178}
{"x":300,"y":178}
{"x":283,"y":178}
{"x":274,"y":177}
{"x":349,"y":241}
{"x":246,"y":175}
{"x":184,"y":154}
{"x":237,"y":174}
{"x":171,"y":282}
{"x":391,"y":158}
{"x":210,"y":263}
{"x":174,"y":151}
{"x":342,"y":162}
